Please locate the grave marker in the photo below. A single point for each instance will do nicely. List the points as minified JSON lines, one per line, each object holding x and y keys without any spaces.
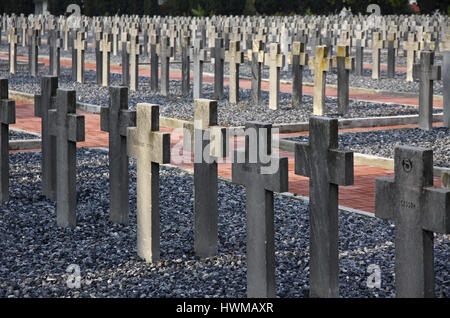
{"x":234,"y":57}
{"x":298,"y":58}
{"x":344,"y":64}
{"x":198,"y":54}
{"x":218,"y":55}
{"x":321,"y":64}
{"x":256,"y":57}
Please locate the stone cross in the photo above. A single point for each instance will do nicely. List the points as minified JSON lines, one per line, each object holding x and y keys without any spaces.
{"x":275,"y":60}
{"x":359,"y":42}
{"x":55,"y":44}
{"x":257,"y":174}
{"x":234,"y":57}
{"x":105,"y":49}
{"x":154,"y":43}
{"x":115,"y":120}
{"x":72,"y":38}
{"x":42,"y":104}
{"x":198,"y":54}
{"x":68,"y":127}
{"x":124,"y":40}
{"x":80,"y":46}
{"x":344,"y":64}
{"x":185,"y":65}
{"x":12,"y":40}
{"x":150,"y":148}
{"x":377,"y":45}
{"x":98,"y":55}
{"x":418,"y":210}
{"x":7,"y":116}
{"x":327,"y":167}
{"x":445,"y":179}
{"x":165,"y":52}
{"x":115,"y":38}
{"x":298,"y":58}
{"x":33,"y":52}
{"x":218,"y":55}
{"x":321,"y":64}
{"x":445,"y":49}
{"x":256,"y":57}
{"x":134,"y":49}
{"x":391,"y":44}
{"x":210,"y":143}
{"x":426,"y":72}
{"x":411,"y":47}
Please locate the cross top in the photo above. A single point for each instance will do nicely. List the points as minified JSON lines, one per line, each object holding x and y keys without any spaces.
{"x":275,"y":58}
{"x":445,"y":44}
{"x":298,"y":48}
{"x":233,"y":54}
{"x":258,"y":48}
{"x":377,"y":42}
{"x":344,"y":52}
{"x":164,"y":49}
{"x":411,"y":44}
{"x":80,"y":43}
{"x":321,"y":61}
{"x":426,"y":70}
{"x":105,"y":43}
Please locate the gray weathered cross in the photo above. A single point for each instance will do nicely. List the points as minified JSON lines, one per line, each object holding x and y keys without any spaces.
{"x":392,"y":44}
{"x":165,"y":52}
{"x":377,"y":45}
{"x":124,"y":39}
{"x":33,"y":52}
{"x":445,"y":50}
{"x":7,"y":116}
{"x":106,"y":48}
{"x":150,"y":148}
{"x":359,"y":42}
{"x":234,"y":57}
{"x":411,"y":47}
{"x":418,"y":209}
{"x":68,"y":127}
{"x":154,"y":64}
{"x":42,"y":104}
{"x":80,"y":46}
{"x":344,"y":64}
{"x":256,"y":57}
{"x":198,"y":54}
{"x":298,"y":58}
{"x":134,"y":49}
{"x":185,"y":65}
{"x":55,"y":44}
{"x":321,"y":64}
{"x":327,"y":167}
{"x":209,"y":144}
{"x":262,"y":174}
{"x":98,"y":37}
{"x":115,"y":120}
{"x":218,"y":55}
{"x":426,"y":72}
{"x":275,"y":60}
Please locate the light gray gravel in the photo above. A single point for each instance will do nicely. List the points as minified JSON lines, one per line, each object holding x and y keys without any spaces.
{"x":383,"y":142}
{"x":35,"y":254}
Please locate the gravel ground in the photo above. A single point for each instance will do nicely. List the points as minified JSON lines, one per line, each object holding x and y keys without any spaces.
{"x":177,"y":106}
{"x":15,"y":135}
{"x":397,"y":84}
{"x":35,"y":254}
{"x":383,"y":142}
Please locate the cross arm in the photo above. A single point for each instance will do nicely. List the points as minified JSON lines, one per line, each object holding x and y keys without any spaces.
{"x":75,"y":124}
{"x":52,"y":121}
{"x":132,"y":141}
{"x":302,"y":159}
{"x":38,"y":105}
{"x":384,"y":198}
{"x":341,"y":164}
{"x":219,"y":143}
{"x":160,"y":144}
{"x":435,"y":73}
{"x":239,"y":171}
{"x":104,"y":118}
{"x":127,"y":119}
{"x":275,"y":174}
{"x":436,"y":210}
{"x":8,"y":111}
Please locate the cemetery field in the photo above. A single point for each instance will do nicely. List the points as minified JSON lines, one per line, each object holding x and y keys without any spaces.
{"x":36,"y":254}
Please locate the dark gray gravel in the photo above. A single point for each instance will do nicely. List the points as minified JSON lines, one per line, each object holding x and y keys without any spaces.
{"x":383,"y":142}
{"x":16,"y":135}
{"x":35,"y":254}
{"x":235,"y":115}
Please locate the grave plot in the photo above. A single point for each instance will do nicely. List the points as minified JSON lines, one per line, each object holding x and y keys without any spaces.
{"x":36,"y":253}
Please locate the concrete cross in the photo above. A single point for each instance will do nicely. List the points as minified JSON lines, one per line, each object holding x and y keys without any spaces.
{"x":80,"y":46}
{"x":98,"y":37}
{"x":392,"y":44}
{"x":106,"y":48}
{"x":210,"y":143}
{"x":185,"y":65}
{"x":12,"y":40}
{"x":7,"y":116}
{"x":359,"y":42}
{"x":256,"y":56}
{"x":42,"y":104}
{"x":418,"y":209}
{"x":234,"y":57}
{"x":124,"y":40}
{"x":115,"y":120}
{"x":321,"y":64}
{"x":33,"y":52}
{"x":275,"y":60}
{"x":165,"y":52}
{"x":115,"y":30}
{"x":134,"y":49}
{"x":198,"y":54}
{"x":445,"y":50}
{"x":411,"y":47}
{"x":298,"y":58}
{"x":344,"y":64}
{"x":68,"y":127}
{"x":377,"y":45}
{"x":150,"y":148}
{"x":327,"y":167}
{"x":257,"y":174}
{"x":426,"y":72}
{"x":218,"y":56}
{"x":55,"y":44}
{"x":153,"y":45}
